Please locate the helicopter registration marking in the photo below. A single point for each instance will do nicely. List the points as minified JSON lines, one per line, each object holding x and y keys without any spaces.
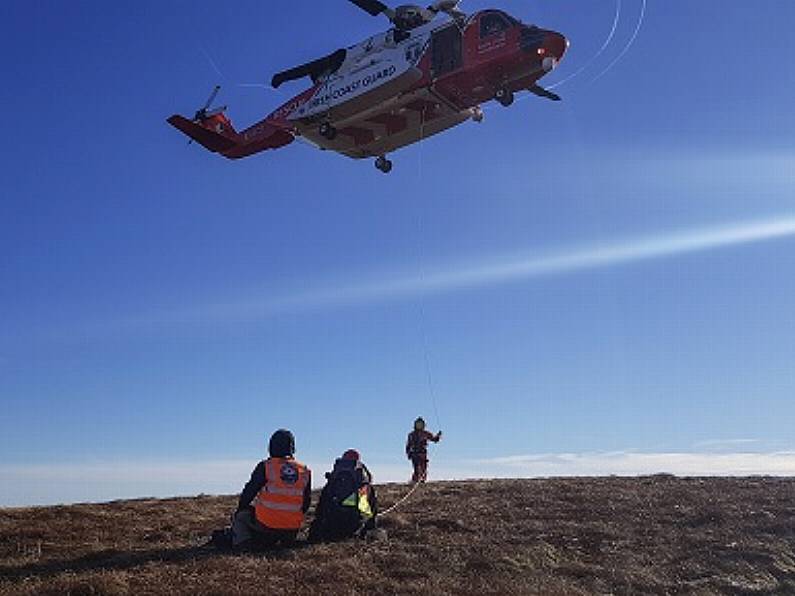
{"x":285,"y":110}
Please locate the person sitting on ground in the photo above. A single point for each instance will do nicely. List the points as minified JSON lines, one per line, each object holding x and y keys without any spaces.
{"x":273,"y":503}
{"x":417,"y":449}
{"x":348,"y":504}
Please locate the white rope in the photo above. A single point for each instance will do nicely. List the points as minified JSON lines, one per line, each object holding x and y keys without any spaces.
{"x":421,"y":264}
{"x":401,"y":501}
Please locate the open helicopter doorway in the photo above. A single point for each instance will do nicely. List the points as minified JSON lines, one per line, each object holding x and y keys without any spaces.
{"x":448,"y":47}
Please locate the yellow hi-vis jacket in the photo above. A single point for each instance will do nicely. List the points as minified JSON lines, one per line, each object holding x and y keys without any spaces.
{"x":362,"y":502}
{"x":279,"y":503}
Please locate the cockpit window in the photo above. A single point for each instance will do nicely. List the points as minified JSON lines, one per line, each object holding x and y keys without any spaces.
{"x":492,"y":23}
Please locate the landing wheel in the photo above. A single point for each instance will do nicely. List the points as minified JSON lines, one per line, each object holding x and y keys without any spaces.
{"x":327,"y":131}
{"x":383,"y":164}
{"x":505,"y":97}
{"x":477,"y":114}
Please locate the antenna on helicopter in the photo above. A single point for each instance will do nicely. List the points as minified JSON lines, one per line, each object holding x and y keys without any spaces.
{"x":205,"y":112}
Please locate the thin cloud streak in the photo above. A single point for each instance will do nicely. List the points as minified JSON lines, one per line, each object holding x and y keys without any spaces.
{"x":464,"y":276}
{"x":634,"y":464}
{"x":724,"y":444}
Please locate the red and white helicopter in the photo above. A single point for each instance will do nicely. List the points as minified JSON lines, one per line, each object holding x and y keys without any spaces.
{"x":416,"y":80}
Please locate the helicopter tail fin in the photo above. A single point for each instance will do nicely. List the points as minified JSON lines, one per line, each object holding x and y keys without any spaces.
{"x":216,"y":133}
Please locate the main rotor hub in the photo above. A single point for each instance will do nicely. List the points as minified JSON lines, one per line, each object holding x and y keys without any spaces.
{"x":411,"y":16}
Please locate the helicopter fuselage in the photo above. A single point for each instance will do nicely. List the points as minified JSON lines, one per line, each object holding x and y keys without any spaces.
{"x":389,"y":92}
{"x":400,"y":87}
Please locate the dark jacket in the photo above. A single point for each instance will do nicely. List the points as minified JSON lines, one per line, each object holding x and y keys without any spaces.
{"x":417,"y":443}
{"x":255,"y":484}
{"x":335,"y":522}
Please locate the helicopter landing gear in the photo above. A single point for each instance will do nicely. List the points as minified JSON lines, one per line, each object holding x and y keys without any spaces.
{"x":505,"y":97}
{"x":477,"y":114}
{"x":327,"y":131}
{"x":383,"y":164}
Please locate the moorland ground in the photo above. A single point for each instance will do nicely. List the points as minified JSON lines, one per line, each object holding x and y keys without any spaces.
{"x":648,"y":535}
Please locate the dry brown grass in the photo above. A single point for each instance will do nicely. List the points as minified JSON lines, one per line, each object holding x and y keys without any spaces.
{"x":656,"y":535}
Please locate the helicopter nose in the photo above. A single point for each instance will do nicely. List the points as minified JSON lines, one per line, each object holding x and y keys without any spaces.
{"x":556,"y":44}
{"x":553,"y":49}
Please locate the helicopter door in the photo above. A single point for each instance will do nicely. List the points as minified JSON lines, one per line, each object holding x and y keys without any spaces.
{"x":447,"y":50}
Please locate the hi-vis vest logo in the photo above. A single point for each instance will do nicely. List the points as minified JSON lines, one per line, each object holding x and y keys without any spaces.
{"x":288,"y":473}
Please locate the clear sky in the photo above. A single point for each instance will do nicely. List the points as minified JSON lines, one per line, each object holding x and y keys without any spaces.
{"x":601,"y":285}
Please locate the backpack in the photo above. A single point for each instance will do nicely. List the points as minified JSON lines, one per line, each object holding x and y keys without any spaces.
{"x":344,"y":482}
{"x":341,"y":515}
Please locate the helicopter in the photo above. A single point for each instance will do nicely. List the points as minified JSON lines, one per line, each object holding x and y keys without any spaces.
{"x":421,"y":77}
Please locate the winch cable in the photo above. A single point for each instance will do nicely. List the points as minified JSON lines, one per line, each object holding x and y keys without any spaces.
{"x":421,"y":267}
{"x":422,"y":319}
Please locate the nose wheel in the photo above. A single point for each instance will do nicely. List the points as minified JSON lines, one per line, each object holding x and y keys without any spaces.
{"x":327,"y":131}
{"x":505,"y":97}
{"x":477,"y":114}
{"x":383,"y":164}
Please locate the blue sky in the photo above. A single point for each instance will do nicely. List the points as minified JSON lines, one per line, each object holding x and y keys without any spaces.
{"x":164,"y":309}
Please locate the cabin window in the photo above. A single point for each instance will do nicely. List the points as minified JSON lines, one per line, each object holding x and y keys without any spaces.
{"x":492,"y":23}
{"x":447,"y":50}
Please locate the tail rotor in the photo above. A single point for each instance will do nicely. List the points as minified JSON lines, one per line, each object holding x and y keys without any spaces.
{"x":206,"y":112}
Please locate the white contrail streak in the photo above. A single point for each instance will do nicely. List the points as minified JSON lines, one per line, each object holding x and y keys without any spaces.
{"x":593,"y":59}
{"x":629,"y":45}
{"x":213,"y":64}
{"x":465,"y":276}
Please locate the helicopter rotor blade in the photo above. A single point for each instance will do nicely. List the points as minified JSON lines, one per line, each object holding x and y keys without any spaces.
{"x":374,"y":7}
{"x":449,"y":7}
{"x":444,"y":5}
{"x":212,"y":97}
{"x":314,"y":69}
{"x":201,"y":113}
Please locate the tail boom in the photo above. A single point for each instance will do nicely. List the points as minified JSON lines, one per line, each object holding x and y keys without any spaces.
{"x":217,"y":134}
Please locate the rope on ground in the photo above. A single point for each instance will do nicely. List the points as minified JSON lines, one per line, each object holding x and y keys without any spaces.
{"x":405,"y":498}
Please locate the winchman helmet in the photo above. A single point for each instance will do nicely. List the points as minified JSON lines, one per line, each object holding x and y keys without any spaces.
{"x":419,"y":423}
{"x":282,"y":444}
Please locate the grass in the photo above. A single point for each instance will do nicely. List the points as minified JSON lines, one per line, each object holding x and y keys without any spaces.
{"x":652,"y":535}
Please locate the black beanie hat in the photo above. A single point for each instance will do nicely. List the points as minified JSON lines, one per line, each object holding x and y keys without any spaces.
{"x":282,"y":444}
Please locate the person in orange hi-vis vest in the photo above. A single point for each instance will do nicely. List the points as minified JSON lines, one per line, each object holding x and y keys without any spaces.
{"x":275,"y":500}
{"x":417,"y":449}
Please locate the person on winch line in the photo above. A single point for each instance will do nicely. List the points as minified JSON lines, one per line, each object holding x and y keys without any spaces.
{"x":273,"y":503}
{"x":417,"y":449}
{"x":348,"y":504}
